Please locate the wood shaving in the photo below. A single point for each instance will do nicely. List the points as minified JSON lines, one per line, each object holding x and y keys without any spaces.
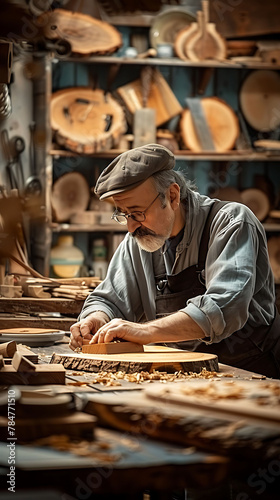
{"x":112,"y":378}
{"x":82,"y":448}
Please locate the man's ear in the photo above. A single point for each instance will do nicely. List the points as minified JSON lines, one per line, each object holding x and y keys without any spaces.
{"x":174,"y":193}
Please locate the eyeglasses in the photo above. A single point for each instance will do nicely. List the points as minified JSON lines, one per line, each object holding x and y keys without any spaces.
{"x":137,"y":216}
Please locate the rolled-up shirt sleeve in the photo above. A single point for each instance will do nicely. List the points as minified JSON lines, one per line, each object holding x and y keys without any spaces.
{"x":237,"y":273}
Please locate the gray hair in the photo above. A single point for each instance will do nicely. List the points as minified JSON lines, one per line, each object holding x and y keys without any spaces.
{"x":162,"y":181}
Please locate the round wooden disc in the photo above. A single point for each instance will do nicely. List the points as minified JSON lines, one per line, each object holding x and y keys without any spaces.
{"x":70,"y":194}
{"x":142,"y":361}
{"x":40,"y":404}
{"x":228,"y":193}
{"x":260,"y":99}
{"x":222,"y":123}
{"x":86,"y":34}
{"x":85,"y":120}
{"x":257,"y":201}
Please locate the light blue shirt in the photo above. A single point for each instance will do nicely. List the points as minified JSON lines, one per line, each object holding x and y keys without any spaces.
{"x":239,"y":280}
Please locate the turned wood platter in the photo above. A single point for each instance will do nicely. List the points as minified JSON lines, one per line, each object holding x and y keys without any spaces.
{"x":31,"y":336}
{"x":135,"y":362}
{"x":257,"y":200}
{"x":70,"y":195}
{"x":260,"y":99}
{"x":255,"y":399}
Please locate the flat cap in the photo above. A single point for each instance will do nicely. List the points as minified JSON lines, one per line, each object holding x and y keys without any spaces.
{"x":133,"y":167}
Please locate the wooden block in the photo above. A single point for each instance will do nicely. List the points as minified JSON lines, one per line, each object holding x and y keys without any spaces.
{"x":10,"y":291}
{"x":8,"y":349}
{"x":43,"y":374}
{"x":26,"y":352}
{"x":2,"y":363}
{"x":22,"y":364}
{"x":112,"y":348}
{"x":36,"y":291}
{"x":78,"y":425}
{"x":161,"y":98}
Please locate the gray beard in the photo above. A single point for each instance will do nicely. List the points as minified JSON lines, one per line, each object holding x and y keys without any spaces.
{"x":150,"y":243}
{"x":148,"y":240}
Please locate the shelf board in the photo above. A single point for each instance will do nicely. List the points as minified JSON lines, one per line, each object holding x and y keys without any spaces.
{"x":271,"y":227}
{"x":64,"y":227}
{"x":172,"y":61}
{"x":234,"y":155}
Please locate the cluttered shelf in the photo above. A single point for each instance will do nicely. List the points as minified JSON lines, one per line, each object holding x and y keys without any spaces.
{"x":186,"y":155}
{"x":65,"y":227}
{"x":249,"y":63}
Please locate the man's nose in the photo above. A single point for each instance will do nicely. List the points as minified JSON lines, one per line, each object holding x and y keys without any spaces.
{"x":132,"y":225}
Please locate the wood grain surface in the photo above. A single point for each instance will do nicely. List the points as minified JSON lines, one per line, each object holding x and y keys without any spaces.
{"x":134,"y":362}
{"x":43,"y":374}
{"x":112,"y":348}
{"x":86,"y":34}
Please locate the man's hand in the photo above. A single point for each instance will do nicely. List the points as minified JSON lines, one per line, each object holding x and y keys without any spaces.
{"x":121,"y":329}
{"x":83,"y":330}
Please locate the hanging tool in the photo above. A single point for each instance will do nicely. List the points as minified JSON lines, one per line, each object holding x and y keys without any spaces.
{"x":33,"y":186}
{"x":17,"y":146}
{"x":200,"y":124}
{"x":144,"y":125}
{"x":6,"y":144}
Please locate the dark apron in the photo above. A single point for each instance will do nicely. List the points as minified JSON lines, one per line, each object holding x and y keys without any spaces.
{"x":251,"y":348}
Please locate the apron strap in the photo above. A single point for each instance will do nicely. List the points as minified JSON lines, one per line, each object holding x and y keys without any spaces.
{"x":203,"y":248}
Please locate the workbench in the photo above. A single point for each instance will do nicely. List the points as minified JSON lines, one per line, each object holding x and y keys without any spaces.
{"x":56,"y":313}
{"x":129,"y":465}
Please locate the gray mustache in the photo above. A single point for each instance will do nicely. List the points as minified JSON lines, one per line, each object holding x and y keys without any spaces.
{"x":143,"y":231}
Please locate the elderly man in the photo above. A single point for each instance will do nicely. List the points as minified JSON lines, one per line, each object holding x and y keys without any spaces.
{"x":191,"y":271}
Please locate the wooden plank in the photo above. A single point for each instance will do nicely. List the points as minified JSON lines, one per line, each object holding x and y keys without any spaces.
{"x":134,"y":362}
{"x":245,"y":399}
{"x":63,"y":324}
{"x":133,"y":413}
{"x":243,"y":19}
{"x":77,"y":425}
{"x":32,"y":305}
{"x":43,"y":374}
{"x":112,"y":348}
